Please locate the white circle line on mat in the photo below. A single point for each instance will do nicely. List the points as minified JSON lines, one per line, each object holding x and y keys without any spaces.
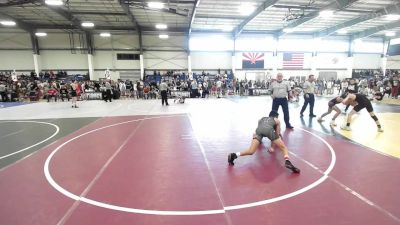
{"x":36,"y":144}
{"x":55,"y":185}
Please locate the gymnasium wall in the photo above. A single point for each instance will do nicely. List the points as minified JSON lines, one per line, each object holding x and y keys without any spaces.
{"x":211,"y":60}
{"x":63,"y":51}
{"x":393,"y":62}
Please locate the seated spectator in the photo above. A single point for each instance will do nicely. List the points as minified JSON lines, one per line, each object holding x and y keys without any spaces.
{"x":51,"y":93}
{"x":64,"y":93}
{"x":146,"y":92}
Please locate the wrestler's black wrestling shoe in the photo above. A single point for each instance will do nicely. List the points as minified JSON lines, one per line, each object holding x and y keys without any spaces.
{"x":231,"y":158}
{"x":290,"y":166}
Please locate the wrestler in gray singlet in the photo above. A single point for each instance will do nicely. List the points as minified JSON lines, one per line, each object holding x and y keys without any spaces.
{"x":266,"y":128}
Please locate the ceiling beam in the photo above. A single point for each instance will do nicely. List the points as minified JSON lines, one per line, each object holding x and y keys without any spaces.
{"x":374,"y":30}
{"x":261,"y":8}
{"x":128,"y":13}
{"x":335,"y":5}
{"x":205,"y":16}
{"x":174,"y":11}
{"x":104,"y":28}
{"x":219,"y":31}
{"x":66,"y":15}
{"x":73,"y":27}
{"x":168,"y":1}
{"x":392,"y":9}
{"x":306,"y":7}
{"x":20,"y":23}
{"x":15,"y":2}
{"x":98,"y":13}
{"x":35,"y":43}
{"x":196,"y":4}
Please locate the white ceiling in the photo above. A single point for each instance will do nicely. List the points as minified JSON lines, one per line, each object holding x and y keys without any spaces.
{"x":210,"y":15}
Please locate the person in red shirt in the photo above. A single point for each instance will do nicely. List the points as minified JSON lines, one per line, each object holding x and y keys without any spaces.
{"x":395,"y":84}
{"x":52,"y":92}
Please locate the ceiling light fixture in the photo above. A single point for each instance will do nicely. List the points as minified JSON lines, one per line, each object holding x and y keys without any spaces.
{"x":392,"y":17}
{"x":8,"y":23}
{"x":246,"y":9}
{"x":161,"y":26}
{"x":288,"y":30}
{"x":54,"y":2}
{"x":105,"y":35}
{"x":87,"y":24}
{"x":163,"y":36}
{"x":395,"y":41}
{"x":326,"y":13}
{"x":41,"y":34}
{"x":390,"y":34}
{"x":156,"y":5}
{"x":358,"y":41}
{"x":227,"y":28}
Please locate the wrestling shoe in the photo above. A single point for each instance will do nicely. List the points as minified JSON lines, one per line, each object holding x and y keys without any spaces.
{"x":380,"y":129}
{"x":333,"y":123}
{"x":320,"y":119}
{"x":231,"y":158}
{"x":344,"y":127}
{"x":290,"y":166}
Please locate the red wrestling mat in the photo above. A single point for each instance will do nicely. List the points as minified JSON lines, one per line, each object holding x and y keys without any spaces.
{"x":157,"y":170}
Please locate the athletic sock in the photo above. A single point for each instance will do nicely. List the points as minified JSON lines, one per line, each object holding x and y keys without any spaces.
{"x":237,"y":154}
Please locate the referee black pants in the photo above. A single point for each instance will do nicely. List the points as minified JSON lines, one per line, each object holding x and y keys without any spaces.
{"x":164,"y":97}
{"x":276,"y":102}
{"x":308,"y":100}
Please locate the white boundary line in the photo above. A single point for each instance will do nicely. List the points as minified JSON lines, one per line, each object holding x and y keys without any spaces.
{"x":27,"y":148}
{"x":55,"y":185}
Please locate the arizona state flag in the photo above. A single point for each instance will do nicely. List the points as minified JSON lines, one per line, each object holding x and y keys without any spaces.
{"x":253,"y":60}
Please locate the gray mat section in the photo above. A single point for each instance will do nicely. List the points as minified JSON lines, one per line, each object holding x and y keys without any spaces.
{"x":16,"y":136}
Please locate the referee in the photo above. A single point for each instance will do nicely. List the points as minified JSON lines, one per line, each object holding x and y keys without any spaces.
{"x":164,"y":94}
{"x":279,"y":91}
{"x":309,"y":88}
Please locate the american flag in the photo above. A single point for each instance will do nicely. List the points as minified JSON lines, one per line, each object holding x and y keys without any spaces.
{"x":293,"y":60}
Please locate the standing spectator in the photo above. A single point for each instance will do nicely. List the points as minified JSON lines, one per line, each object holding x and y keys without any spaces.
{"x":3,"y":92}
{"x":237,"y":87}
{"x":309,"y":89}
{"x":74,"y":95}
{"x":219,"y":88}
{"x":279,"y":91}
{"x":194,"y":88}
{"x":122,"y":88}
{"x":395,"y":87}
{"x":329,"y":87}
{"x":344,"y":86}
{"x":135,"y":90}
{"x":108,"y":92}
{"x":205,"y":91}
